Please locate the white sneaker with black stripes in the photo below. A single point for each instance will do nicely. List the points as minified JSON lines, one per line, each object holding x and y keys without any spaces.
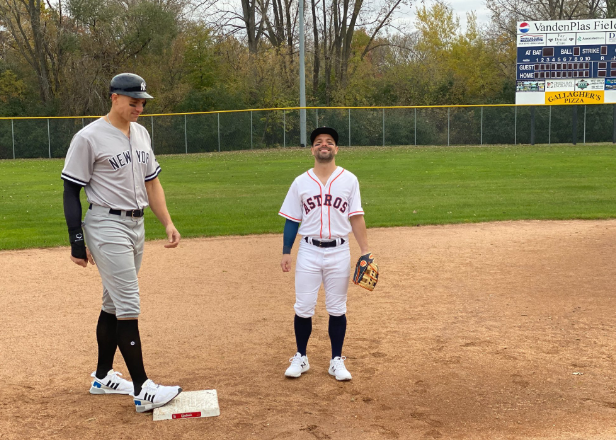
{"x":111,"y":384}
{"x":154,"y":396}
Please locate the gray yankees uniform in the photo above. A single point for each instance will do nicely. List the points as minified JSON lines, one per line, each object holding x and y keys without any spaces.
{"x":113,"y":169}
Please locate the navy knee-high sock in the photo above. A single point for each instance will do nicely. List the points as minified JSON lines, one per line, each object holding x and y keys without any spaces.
{"x":107,"y":343}
{"x":303,"y":328}
{"x":129,"y":343}
{"x":337,"y":331}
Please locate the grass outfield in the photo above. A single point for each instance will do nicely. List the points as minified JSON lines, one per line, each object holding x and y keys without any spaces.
{"x":241,"y":192}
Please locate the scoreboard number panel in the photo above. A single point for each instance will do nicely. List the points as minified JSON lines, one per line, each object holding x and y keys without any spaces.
{"x":566,"y":62}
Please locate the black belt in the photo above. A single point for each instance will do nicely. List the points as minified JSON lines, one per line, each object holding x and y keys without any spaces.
{"x":131,"y":213}
{"x":324,"y":244}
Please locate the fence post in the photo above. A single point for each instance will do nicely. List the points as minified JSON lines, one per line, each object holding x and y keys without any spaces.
{"x":416,"y":126}
{"x":481,"y":137}
{"x":13,"y":135}
{"x":614,"y":126}
{"x":284,"y":128}
{"x":349,"y":127}
{"x":251,"y":129}
{"x":550,"y":127}
{"x":383,"y":127}
{"x":317,"y":118}
{"x":584,"y":125}
{"x":49,"y":137}
{"x":152,"y":125}
{"x":574,"y":130}
{"x":515,"y":126}
{"x":83,"y":124}
{"x":185,"y":135}
{"x":532,"y":125}
{"x":447,"y":126}
{"x":218,"y":131}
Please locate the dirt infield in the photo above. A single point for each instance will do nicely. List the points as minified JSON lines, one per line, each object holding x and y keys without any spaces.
{"x":477,"y":331}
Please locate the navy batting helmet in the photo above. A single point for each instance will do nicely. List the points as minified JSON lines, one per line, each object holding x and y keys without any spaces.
{"x":129,"y":84}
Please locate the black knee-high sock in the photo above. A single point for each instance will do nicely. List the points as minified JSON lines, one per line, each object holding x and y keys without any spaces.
{"x":337,"y":330}
{"x":129,"y":343}
{"x":303,"y":328}
{"x":107,"y":343}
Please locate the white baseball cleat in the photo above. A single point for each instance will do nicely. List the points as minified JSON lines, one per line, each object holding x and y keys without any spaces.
{"x":337,"y":368}
{"x":299,"y":365}
{"x":111,"y":384}
{"x":154,"y":396}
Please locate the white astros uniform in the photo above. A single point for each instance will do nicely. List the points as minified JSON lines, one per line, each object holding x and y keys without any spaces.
{"x":324,"y":212}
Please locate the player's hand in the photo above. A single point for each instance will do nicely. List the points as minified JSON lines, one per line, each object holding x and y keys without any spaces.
{"x":82,"y":262}
{"x":173,"y":236}
{"x":286,"y":262}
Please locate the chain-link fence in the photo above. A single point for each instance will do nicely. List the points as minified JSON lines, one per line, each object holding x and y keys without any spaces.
{"x":382,"y":126}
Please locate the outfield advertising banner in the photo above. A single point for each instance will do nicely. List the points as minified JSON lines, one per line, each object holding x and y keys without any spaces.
{"x":573,"y":98}
{"x":590,"y":38}
{"x":566,"y":56}
{"x":559,"y":85}
{"x":531,"y":40}
{"x":590,"y":84}
{"x":560,"y":39}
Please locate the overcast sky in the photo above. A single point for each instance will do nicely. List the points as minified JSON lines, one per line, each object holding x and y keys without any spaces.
{"x":407,"y":15}
{"x":460,"y":8}
{"x":463,"y":6}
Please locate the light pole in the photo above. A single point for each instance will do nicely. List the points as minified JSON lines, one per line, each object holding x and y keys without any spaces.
{"x":302,"y":78}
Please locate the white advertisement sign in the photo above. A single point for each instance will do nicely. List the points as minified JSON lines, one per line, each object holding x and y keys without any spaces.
{"x":590,"y":84}
{"x":556,"y":85}
{"x":560,"y":39}
{"x":531,"y":40}
{"x":563,"y":26}
{"x":588,"y":38}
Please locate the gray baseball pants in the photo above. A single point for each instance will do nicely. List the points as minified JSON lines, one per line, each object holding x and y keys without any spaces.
{"x":116,"y":243}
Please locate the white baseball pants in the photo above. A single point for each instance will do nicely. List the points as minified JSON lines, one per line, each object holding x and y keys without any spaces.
{"x":329,"y":266}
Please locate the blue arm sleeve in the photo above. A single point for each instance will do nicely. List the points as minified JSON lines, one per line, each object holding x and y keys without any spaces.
{"x":290,"y":232}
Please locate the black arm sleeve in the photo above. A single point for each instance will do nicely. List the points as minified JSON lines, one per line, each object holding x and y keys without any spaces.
{"x":72,"y":213}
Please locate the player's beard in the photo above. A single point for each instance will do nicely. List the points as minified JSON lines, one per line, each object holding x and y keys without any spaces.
{"x":325,"y":159}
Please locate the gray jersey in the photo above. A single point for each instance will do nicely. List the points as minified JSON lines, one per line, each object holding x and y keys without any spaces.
{"x":112,"y":168}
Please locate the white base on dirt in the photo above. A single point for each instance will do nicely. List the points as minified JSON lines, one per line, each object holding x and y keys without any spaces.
{"x":190,"y":404}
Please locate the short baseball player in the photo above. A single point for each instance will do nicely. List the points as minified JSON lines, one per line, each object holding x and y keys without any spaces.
{"x":112,"y":159}
{"x":323,"y":205}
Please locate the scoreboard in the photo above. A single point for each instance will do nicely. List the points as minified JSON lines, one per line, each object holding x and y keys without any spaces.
{"x":566,"y":62}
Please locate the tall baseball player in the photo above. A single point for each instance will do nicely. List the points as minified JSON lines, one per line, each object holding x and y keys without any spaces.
{"x":323,"y":205}
{"x":112,"y":159}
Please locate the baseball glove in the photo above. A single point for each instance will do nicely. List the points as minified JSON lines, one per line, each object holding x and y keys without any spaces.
{"x":366,"y":272}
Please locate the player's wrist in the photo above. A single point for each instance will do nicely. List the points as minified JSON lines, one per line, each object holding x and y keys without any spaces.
{"x":78,"y":244}
{"x":78,"y":250}
{"x":75,"y":236}
{"x":286,"y":250}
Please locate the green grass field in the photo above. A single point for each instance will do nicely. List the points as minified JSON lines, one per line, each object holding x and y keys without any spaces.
{"x":241,"y":192}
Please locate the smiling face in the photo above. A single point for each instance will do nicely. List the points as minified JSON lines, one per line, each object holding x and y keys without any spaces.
{"x":324,"y":148}
{"x":126,"y":107}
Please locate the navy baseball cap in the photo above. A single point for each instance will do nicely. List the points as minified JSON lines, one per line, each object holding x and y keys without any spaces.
{"x":324,"y":130}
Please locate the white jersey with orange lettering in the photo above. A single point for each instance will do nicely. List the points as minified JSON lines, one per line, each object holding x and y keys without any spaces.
{"x":323,"y":210}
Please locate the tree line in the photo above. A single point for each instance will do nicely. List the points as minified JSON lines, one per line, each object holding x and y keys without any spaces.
{"x":58,"y":56}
